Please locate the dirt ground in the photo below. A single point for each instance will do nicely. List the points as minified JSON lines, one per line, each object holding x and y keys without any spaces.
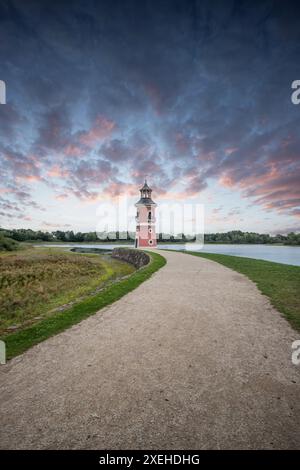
{"x":194,"y":358}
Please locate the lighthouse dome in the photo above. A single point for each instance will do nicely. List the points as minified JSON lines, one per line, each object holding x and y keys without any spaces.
{"x":145,"y":198}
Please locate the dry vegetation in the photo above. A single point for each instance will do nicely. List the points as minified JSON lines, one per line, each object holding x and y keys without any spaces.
{"x":36,"y":281}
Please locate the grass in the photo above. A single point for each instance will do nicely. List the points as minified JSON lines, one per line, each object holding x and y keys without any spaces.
{"x":36,"y":281}
{"x":279,"y":282}
{"x":20,"y":341}
{"x":8,"y":244}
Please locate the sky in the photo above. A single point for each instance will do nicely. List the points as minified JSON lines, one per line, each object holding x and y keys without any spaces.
{"x":194,"y":94}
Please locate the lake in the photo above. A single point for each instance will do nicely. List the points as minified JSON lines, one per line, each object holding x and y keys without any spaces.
{"x":277,"y":253}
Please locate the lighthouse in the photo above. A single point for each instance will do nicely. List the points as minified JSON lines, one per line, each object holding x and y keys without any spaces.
{"x":145,"y":219}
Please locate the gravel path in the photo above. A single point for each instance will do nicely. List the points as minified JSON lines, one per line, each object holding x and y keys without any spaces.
{"x":194,"y":358}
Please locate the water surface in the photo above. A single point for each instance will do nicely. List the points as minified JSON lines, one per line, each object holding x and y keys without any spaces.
{"x":276,"y":253}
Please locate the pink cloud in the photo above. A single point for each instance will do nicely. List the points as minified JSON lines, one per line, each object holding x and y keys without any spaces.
{"x":101,"y":129}
{"x":4,"y":190}
{"x":57,"y":172}
{"x":273,"y":185}
{"x":73,"y":150}
{"x":182,"y":142}
{"x":61,"y":197}
{"x":29,"y":178}
{"x":115,"y":189}
{"x":226,"y":181}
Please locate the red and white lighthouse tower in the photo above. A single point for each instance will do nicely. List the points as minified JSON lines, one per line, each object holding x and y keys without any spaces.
{"x":145,"y":219}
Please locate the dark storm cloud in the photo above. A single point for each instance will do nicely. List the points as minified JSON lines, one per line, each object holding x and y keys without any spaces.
{"x":10,"y":121}
{"x":187,"y":92}
{"x":54,"y":130}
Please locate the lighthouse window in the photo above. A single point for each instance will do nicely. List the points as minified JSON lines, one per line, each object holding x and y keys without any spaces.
{"x":149,"y":215}
{"x":150,"y":230}
{"x":150,"y":242}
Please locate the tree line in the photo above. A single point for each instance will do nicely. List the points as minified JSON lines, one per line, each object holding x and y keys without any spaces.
{"x":232,"y":237}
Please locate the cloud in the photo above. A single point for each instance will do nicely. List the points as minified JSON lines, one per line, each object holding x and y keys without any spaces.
{"x":57,"y":172}
{"x":101,"y":129}
{"x":192,"y":95}
{"x":53,"y":225}
{"x":10,"y":122}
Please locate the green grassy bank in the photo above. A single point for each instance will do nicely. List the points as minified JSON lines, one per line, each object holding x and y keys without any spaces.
{"x":20,"y":341}
{"x":279,"y":282}
{"x":34,"y":282}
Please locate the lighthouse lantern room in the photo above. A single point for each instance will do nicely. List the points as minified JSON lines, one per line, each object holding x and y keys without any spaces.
{"x":145,"y":219}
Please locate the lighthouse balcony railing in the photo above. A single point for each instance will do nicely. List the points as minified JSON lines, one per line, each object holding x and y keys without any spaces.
{"x":148,"y":221}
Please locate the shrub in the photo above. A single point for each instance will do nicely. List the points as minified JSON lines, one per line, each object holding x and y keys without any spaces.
{"x":8,"y":244}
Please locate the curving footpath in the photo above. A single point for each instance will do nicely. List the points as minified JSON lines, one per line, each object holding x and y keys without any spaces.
{"x":194,"y":358}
